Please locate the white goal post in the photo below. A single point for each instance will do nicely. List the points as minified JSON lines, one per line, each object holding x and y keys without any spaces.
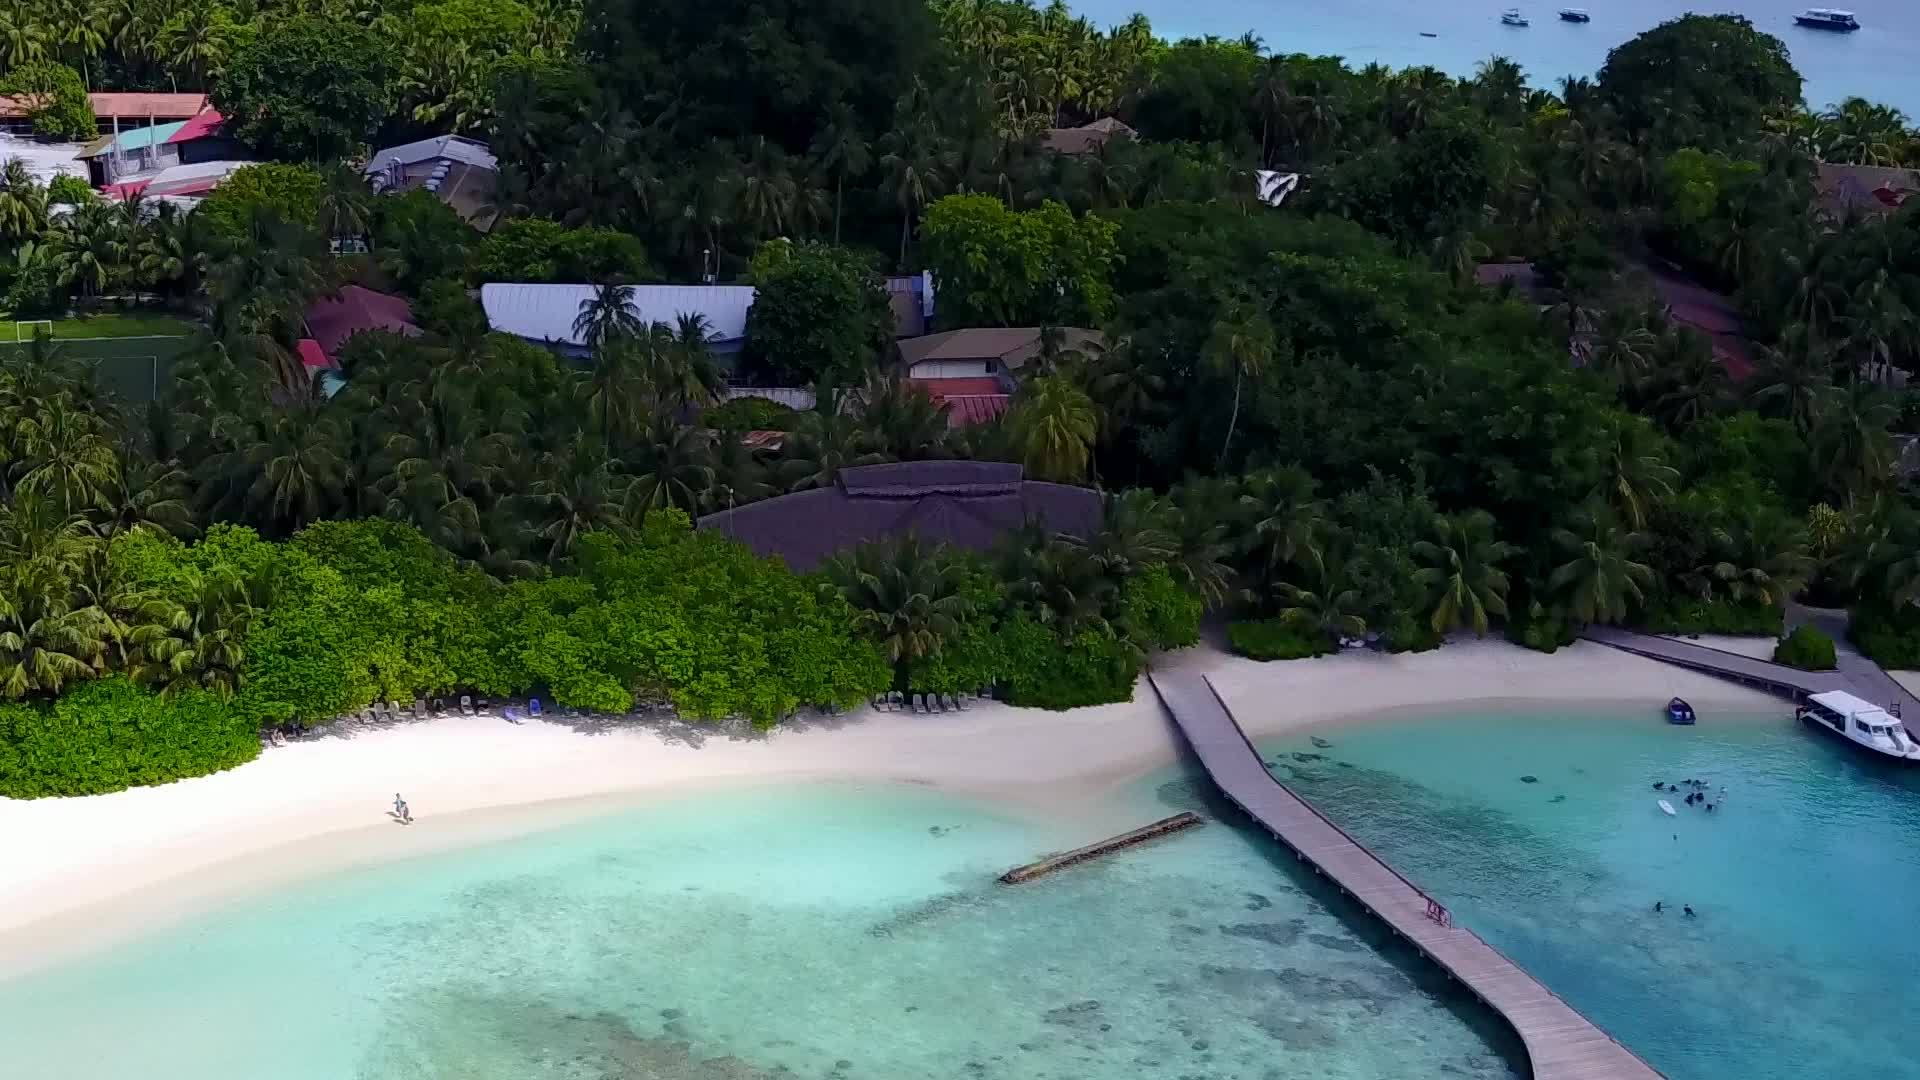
{"x":22,"y":334}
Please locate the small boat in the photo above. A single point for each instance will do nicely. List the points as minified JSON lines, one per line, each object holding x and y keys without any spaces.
{"x":1574,"y":14}
{"x":1828,"y":19}
{"x":1427,"y":33}
{"x":1512,"y":17}
{"x":1665,"y":807}
{"x":1861,"y":723}
{"x":1679,"y":712}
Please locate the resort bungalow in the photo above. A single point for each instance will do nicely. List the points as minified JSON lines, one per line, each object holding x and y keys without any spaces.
{"x":114,"y":112}
{"x":984,"y":352}
{"x":128,"y":162}
{"x":545,"y":314}
{"x":969,"y":504}
{"x":1709,"y":313}
{"x":462,"y":172}
{"x":332,"y":320}
{"x":1866,"y":191}
{"x":970,"y":372}
{"x":1087,"y":138}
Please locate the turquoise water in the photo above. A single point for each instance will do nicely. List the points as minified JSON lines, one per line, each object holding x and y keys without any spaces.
{"x":831,"y":932}
{"x":1806,"y":951}
{"x":1876,"y":62}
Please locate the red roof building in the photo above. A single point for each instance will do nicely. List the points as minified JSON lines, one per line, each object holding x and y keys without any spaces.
{"x":333,"y":319}
{"x":968,"y":401}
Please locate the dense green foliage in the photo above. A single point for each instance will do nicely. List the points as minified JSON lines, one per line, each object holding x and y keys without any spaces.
{"x":819,"y":313}
{"x":306,"y":88}
{"x":54,"y":97}
{"x":1315,"y":423}
{"x":1806,"y":648}
{"x":1274,"y":639}
{"x":998,"y":267}
{"x":110,"y":734}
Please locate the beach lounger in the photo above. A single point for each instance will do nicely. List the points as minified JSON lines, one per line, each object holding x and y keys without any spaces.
{"x":466,"y":705}
{"x":965,"y":701}
{"x":896,"y":700}
{"x":919,"y":704}
{"x":879,"y":702}
{"x":533,"y":708}
{"x":947,"y":700}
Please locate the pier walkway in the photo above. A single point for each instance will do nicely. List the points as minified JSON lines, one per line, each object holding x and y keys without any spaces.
{"x":1856,"y":674}
{"x":1561,"y":1044}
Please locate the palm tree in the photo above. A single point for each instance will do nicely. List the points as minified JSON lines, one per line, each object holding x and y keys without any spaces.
{"x":1461,"y":572}
{"x":766,"y":189}
{"x":1692,"y":382}
{"x":1241,"y":344}
{"x":1851,"y":451}
{"x":1285,"y":523}
{"x":1051,"y":425}
{"x":1760,"y":557}
{"x":1600,"y":580}
{"x":1328,"y":609}
{"x":608,"y":316}
{"x":1635,"y":475}
{"x":672,"y":466}
{"x":66,"y":457}
{"x":1622,"y":347}
{"x":1135,"y":535}
{"x":576,"y":493}
{"x":46,"y":640}
{"x":151,"y":495}
{"x":1789,"y":381}
{"x":820,"y":446}
{"x":88,"y":249}
{"x":198,"y":643}
{"x":905,"y":597}
{"x":902,"y":420}
{"x":1061,"y":583}
{"x":345,"y":203}
{"x":23,"y":204}
{"x":915,"y":175}
{"x":840,"y":152}
{"x":285,"y":468}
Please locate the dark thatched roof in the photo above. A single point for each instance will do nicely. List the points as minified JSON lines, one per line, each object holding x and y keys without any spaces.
{"x":969,"y":504}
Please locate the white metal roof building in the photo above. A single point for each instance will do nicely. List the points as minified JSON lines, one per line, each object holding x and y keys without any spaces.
{"x":546,"y":313}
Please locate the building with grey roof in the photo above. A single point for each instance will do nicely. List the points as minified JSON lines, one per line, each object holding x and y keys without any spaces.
{"x":967,"y":504}
{"x":461,"y":171}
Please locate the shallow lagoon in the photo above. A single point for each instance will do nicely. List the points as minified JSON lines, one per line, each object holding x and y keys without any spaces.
{"x":1806,"y":880}
{"x":843,"y":932}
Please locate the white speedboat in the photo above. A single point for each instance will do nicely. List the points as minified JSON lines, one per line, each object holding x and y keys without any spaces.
{"x":1512,"y":17}
{"x":1827,"y":19}
{"x":1862,"y":723}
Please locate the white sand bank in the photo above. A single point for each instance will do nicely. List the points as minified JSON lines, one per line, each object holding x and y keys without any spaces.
{"x":92,"y":868}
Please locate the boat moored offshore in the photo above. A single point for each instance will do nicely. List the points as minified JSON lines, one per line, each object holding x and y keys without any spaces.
{"x":1827,"y":19}
{"x":1512,"y":17}
{"x":1575,"y":15}
{"x":1862,"y":723}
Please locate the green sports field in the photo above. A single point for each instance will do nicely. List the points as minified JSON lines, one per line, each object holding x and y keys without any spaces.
{"x":135,"y":353}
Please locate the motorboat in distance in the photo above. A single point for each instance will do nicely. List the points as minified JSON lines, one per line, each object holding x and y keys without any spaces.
{"x":1861,"y":723}
{"x":1828,"y":19}
{"x":1574,"y":14}
{"x":1679,"y":712}
{"x":1512,"y":17}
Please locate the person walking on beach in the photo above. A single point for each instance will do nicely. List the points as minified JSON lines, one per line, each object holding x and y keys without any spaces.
{"x":402,"y":812}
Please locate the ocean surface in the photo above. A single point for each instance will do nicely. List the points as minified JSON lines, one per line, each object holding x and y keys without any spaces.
{"x":840,"y":933}
{"x":1805,"y":952}
{"x":848,"y":932}
{"x":1881,"y":61}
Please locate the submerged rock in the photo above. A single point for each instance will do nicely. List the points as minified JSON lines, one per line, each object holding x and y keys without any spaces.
{"x":1337,"y":944}
{"x":1282,"y":934}
{"x":1257,"y":902}
{"x":1320,"y":742}
{"x":1529,"y":779}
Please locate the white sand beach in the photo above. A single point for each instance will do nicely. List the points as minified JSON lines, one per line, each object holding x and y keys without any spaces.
{"x":83,"y":871}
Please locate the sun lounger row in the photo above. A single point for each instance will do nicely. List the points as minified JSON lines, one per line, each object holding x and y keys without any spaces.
{"x":895,"y":701}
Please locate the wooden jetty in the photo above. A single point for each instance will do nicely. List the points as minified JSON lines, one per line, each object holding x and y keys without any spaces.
{"x":1854,"y":673}
{"x":1165,"y":826}
{"x":1561,"y":1044}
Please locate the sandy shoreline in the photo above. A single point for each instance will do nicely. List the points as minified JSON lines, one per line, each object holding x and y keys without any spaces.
{"x":83,"y":872}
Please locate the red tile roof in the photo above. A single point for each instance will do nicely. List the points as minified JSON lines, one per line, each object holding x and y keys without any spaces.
{"x":203,"y":124}
{"x":968,"y":401}
{"x":311,"y":355}
{"x":333,"y":319}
